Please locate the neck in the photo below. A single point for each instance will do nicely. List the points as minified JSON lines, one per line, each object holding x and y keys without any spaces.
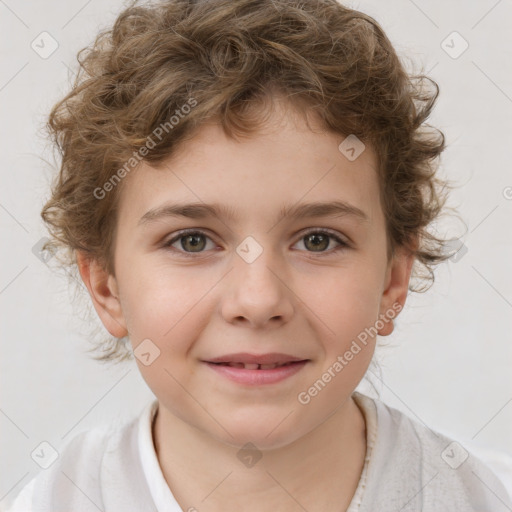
{"x":319,"y":471}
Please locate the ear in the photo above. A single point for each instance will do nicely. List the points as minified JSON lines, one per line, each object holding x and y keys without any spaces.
{"x":104,"y":294}
{"x":396,"y":287}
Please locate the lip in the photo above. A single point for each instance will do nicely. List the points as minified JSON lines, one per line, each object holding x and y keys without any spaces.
{"x":258,"y":377}
{"x":245,"y":357}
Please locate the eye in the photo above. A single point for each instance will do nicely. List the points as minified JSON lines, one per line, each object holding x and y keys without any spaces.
{"x":319,"y":240}
{"x":189,"y":241}
{"x":316,"y":241}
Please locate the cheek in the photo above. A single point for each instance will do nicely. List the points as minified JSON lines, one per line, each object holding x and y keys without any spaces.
{"x":163,"y":304}
{"x":166,"y":310}
{"x":345,"y":302}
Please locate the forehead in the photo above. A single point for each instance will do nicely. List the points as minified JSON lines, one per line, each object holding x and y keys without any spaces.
{"x":284,"y":163}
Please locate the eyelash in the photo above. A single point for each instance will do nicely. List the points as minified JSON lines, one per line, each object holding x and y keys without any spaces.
{"x":343,"y":244}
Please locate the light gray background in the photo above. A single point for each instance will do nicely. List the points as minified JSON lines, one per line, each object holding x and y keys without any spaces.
{"x":448,"y":364}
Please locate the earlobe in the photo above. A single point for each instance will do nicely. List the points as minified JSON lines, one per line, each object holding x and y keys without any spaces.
{"x":104,"y":294}
{"x":396,"y":289}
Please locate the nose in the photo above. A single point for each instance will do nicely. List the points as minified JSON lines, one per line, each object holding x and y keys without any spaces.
{"x":257,"y":292}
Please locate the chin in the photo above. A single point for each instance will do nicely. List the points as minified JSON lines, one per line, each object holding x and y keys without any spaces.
{"x":268,"y":435}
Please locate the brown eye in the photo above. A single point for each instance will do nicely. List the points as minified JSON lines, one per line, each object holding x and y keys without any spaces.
{"x":194,"y":243}
{"x":317,"y":241}
{"x":189,"y":242}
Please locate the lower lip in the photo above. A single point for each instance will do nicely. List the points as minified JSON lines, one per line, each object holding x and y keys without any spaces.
{"x":258,"y":377}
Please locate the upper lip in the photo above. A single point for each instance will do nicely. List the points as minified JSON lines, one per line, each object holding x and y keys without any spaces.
{"x":244,"y":357}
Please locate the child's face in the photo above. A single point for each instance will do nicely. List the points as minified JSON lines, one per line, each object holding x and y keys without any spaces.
{"x":212,"y":300}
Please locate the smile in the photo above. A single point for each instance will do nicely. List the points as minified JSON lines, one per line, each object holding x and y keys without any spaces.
{"x":253,"y":374}
{"x":255,"y":366}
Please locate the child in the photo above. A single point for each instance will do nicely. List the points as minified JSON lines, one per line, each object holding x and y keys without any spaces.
{"x":287,"y":137}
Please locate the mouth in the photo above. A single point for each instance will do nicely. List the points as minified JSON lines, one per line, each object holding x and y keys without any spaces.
{"x":256,"y":374}
{"x":256,"y":366}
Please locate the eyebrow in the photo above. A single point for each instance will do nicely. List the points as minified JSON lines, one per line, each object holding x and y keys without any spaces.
{"x":298,"y":211}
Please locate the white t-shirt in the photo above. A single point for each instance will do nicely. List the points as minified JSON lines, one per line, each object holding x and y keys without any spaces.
{"x":407,"y":468}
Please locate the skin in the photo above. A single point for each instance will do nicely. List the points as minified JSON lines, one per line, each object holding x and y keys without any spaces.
{"x":290,"y":299}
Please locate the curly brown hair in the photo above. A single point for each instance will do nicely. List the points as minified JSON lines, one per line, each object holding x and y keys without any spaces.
{"x":228,"y":56}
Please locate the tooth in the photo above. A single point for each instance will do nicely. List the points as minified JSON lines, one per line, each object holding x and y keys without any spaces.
{"x":251,"y":366}
{"x":255,"y":366}
{"x":236,"y":365}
